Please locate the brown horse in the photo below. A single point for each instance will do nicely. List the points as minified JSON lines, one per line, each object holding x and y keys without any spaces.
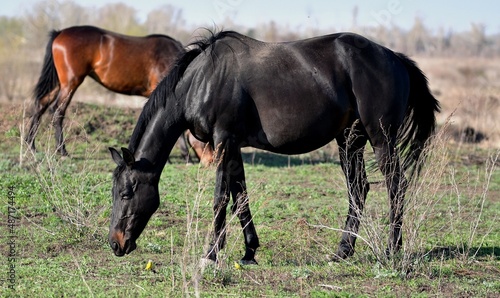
{"x":124,"y":64}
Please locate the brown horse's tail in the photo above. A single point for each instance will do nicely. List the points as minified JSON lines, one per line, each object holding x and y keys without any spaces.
{"x":420,"y":119}
{"x":48,"y":79}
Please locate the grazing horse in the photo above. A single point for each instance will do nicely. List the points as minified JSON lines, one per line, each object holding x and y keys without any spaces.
{"x":290,"y":98}
{"x":124,"y":64}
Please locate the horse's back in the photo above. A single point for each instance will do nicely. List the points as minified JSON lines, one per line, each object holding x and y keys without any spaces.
{"x":103,"y":44}
{"x":78,"y":40}
{"x":121,"y":63}
{"x":290,"y":96}
{"x":314,"y":87}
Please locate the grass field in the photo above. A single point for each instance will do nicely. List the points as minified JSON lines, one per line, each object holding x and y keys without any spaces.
{"x":54,"y":240}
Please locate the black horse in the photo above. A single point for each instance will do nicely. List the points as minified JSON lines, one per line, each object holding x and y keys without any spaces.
{"x":233,"y":91}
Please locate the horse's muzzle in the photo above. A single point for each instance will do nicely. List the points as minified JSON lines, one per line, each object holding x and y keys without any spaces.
{"x":120,"y":245}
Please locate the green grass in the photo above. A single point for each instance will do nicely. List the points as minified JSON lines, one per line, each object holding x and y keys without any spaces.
{"x":63,"y":206}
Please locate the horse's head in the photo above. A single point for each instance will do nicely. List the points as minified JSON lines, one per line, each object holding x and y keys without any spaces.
{"x":135,"y":199}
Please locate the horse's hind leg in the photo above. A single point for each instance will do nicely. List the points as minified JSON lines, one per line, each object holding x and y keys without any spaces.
{"x":38,"y":110}
{"x":62,"y":103}
{"x":351,"y":148}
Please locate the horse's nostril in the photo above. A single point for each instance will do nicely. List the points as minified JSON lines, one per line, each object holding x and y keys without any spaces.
{"x":114,"y":246}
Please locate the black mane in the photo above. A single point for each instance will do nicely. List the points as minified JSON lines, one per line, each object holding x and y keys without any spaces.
{"x":169,"y":83}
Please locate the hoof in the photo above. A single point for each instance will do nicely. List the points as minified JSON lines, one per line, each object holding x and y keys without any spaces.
{"x":248,"y":262}
{"x":342,"y":254}
{"x":390,"y":253}
{"x":61,"y":150}
{"x":65,"y":157}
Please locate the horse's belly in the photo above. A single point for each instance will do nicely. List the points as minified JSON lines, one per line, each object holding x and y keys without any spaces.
{"x":301,"y":132}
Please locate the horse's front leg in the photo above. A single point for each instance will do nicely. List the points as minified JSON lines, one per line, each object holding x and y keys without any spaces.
{"x":242,"y":209}
{"x":230,"y":179}
{"x":221,"y":200}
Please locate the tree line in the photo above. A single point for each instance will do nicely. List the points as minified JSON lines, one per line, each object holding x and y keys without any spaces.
{"x":23,"y":38}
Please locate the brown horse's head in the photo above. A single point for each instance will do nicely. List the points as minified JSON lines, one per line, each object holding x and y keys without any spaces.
{"x":135,"y":199}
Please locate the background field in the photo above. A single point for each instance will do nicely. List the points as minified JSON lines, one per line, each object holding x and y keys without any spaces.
{"x":62,"y":206}
{"x":451,"y":235}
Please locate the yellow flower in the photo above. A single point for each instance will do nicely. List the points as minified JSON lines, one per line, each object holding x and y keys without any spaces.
{"x":237,"y":266}
{"x":149,"y":265}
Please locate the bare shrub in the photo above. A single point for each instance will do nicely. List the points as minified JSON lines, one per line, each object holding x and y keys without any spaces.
{"x":71,"y":202}
{"x":438,"y":205}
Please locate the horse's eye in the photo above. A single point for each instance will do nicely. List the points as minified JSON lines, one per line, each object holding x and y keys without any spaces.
{"x":126,"y":195}
{"x":134,"y":186}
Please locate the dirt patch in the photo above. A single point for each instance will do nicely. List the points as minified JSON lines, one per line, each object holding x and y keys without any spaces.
{"x":12,"y":115}
{"x":104,"y":123}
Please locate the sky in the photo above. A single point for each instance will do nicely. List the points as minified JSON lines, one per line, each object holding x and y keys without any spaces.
{"x":323,"y":14}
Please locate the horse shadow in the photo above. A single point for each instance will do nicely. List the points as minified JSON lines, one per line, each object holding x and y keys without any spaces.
{"x":455,"y":252}
{"x":269,"y":159}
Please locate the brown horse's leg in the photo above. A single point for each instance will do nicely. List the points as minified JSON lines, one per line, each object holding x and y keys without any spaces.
{"x":184,"y":147}
{"x":207,"y":154}
{"x":62,"y":103}
{"x":38,"y":110}
{"x":203,"y":151}
{"x":351,"y":157}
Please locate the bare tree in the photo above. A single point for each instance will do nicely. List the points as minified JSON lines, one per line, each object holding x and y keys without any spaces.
{"x":166,"y":20}
{"x":443,"y":40}
{"x":72,"y":14}
{"x":271,"y":33}
{"x":121,"y":18}
{"x":43,"y":17}
{"x":417,"y":40}
{"x":11,"y":34}
{"x":354,"y":25}
{"x":23,"y":39}
{"x":478,"y":38}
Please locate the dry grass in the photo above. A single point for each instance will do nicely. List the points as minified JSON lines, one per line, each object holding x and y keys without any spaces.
{"x":445,"y":202}
{"x":470,"y":88}
{"x":446,"y":221}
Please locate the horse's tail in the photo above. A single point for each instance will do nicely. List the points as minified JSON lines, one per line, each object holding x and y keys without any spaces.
{"x":420,"y":120}
{"x":48,"y":79}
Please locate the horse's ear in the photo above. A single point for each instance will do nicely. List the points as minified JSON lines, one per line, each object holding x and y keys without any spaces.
{"x":115,"y":155}
{"x":128,"y":157}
